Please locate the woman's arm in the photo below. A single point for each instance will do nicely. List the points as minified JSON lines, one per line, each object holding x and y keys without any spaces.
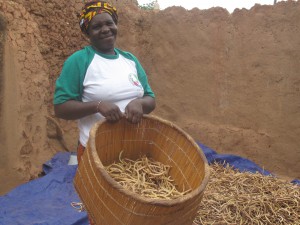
{"x":73,"y":110}
{"x":148,"y":104}
{"x":137,"y":107}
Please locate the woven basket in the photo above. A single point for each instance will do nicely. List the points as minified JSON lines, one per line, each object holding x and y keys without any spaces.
{"x":108,"y":203}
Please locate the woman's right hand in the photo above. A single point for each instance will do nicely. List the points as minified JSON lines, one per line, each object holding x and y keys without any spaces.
{"x":110,"y":111}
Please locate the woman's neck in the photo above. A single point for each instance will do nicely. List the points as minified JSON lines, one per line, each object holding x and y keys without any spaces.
{"x":106,"y":52}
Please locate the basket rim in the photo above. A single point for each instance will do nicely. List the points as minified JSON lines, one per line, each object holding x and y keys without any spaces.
{"x":165,"y":202}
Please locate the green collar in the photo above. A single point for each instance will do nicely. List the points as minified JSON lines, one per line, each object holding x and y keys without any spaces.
{"x":106,"y":56}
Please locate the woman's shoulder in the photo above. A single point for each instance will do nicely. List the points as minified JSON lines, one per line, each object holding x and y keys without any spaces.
{"x":126,"y":54}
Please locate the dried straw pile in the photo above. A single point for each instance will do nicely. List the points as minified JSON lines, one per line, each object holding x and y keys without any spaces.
{"x":232,"y":197}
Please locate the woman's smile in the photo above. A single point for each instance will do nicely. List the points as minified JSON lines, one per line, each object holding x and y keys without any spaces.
{"x":107,"y":37}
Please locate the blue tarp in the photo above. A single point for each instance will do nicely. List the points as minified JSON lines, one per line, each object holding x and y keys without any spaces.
{"x":47,"y":200}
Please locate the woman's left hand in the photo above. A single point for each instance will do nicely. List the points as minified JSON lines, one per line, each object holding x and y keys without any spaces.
{"x":134,"y":111}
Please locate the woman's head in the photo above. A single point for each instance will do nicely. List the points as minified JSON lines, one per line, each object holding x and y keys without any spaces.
{"x":98,"y":20}
{"x":93,"y":8}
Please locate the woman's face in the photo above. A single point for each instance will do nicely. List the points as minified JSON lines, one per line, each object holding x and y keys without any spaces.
{"x":102,"y":32}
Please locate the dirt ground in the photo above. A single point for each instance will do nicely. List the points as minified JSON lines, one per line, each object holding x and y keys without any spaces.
{"x":229,"y":80}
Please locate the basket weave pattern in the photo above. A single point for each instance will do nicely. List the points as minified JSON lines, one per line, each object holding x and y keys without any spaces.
{"x":107,"y":202}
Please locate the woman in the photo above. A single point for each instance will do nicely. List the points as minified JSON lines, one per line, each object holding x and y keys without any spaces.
{"x":101,"y":81}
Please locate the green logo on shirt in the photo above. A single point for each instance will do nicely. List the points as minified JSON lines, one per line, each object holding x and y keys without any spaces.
{"x":134,"y":80}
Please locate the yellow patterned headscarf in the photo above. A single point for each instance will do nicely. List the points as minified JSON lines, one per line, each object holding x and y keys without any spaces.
{"x":93,"y":8}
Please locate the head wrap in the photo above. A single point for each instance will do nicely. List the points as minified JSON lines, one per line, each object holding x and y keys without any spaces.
{"x":93,"y":8}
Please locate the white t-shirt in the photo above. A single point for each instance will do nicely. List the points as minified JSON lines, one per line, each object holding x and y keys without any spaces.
{"x":91,"y":76}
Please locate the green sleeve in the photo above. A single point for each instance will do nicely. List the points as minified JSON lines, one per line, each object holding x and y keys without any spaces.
{"x":141,"y":73}
{"x":69,"y":85}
